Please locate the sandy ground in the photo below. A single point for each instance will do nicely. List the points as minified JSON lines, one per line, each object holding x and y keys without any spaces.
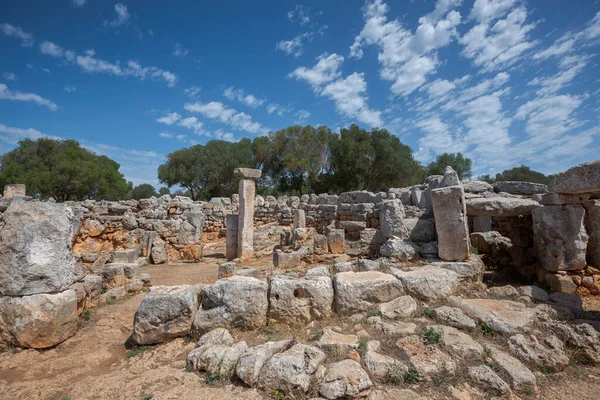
{"x":94,"y":364}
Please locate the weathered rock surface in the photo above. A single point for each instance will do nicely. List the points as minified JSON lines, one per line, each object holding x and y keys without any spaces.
{"x":252,"y":361}
{"x":35,"y":248}
{"x":378,"y":365}
{"x":429,"y":360}
{"x":583,"y":178}
{"x":457,"y":343}
{"x":453,"y":316}
{"x":547,"y":354}
{"x":592,"y":226}
{"x":239,"y":301}
{"x":300,"y":300}
{"x":560,"y":239}
{"x":400,"y":308}
{"x":165,"y":313}
{"x":420,"y":230}
{"x":291,"y":370}
{"x":500,"y":206}
{"x":488,"y":379}
{"x":451,"y":223}
{"x":392,"y":328}
{"x":427,"y":282}
{"x":391,"y":215}
{"x":345,"y":379}
{"x":477,"y":186}
{"x":338,"y":343}
{"x":501,"y":315}
{"x":361,"y":291}
{"x":400,"y":250}
{"x":520,"y":187}
{"x":521,"y":378}
{"x":38,"y":321}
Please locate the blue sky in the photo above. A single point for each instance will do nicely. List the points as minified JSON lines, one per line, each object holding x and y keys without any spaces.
{"x":504,"y":81}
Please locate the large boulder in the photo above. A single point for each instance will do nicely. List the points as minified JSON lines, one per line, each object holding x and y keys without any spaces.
{"x":428,"y":282}
{"x":520,"y":187}
{"x":583,"y":178}
{"x":36,"y":254}
{"x":362,"y":291}
{"x":400,"y":250}
{"x":38,"y":321}
{"x":253,"y":360}
{"x":560,"y":238}
{"x":239,"y":301}
{"x":300,"y":300}
{"x":476,"y":187}
{"x":391,"y":214}
{"x":428,"y":359}
{"x":291,"y":371}
{"x":521,"y":377}
{"x":504,"y":316}
{"x":165,"y":313}
{"x":547,"y":353}
{"x":420,"y":230}
{"x":500,"y":206}
{"x":345,"y":379}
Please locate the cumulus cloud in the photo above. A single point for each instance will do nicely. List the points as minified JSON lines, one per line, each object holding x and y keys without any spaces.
{"x":192,"y":91}
{"x":122,"y":16}
{"x":11,"y":135}
{"x":18,"y":33}
{"x":218,"y":111}
{"x":169,"y":119}
{"x":9,"y":76}
{"x":7,"y":94}
{"x":180,"y":51}
{"x":248,"y":99}
{"x":70,"y":89}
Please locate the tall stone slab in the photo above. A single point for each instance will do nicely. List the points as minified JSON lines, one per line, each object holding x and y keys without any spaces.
{"x":14,"y":190}
{"x":559,"y":236}
{"x":391,"y":215}
{"x":36,"y":252}
{"x":450,"y":216}
{"x":247,"y":192}
{"x":299,"y":219}
{"x":592,"y":226}
{"x":231,"y":236}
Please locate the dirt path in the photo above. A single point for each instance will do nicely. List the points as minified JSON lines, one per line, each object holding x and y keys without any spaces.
{"x":94,"y":364}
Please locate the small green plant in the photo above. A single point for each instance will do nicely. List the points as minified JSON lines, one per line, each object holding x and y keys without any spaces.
{"x":396,"y":374}
{"x":528,"y":390}
{"x":271,"y":337}
{"x":317,"y":333}
{"x":487,"y":329}
{"x":147,"y":397}
{"x":189,"y":367}
{"x":211,"y":379}
{"x":428,"y":311}
{"x":362,"y":347}
{"x":133,"y":353}
{"x":278,"y":394}
{"x":412,"y":375}
{"x":431,"y":336}
{"x":488,"y":351}
{"x":545,"y":369}
{"x":375,"y":313}
{"x":66,"y":398}
{"x":474,"y":250}
{"x":495,"y":366}
{"x":87,"y":314}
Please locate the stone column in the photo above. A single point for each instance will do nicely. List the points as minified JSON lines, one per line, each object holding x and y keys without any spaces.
{"x":451,"y":223}
{"x":299,"y":219}
{"x":14,"y":190}
{"x":247,"y":177}
{"x":231,"y":236}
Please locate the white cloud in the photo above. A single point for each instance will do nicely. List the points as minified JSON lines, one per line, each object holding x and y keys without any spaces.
{"x":169,"y":119}
{"x":407,"y":58}
{"x":571,"y":67}
{"x":487,"y":10}
{"x":6,"y":94}
{"x":300,"y":14}
{"x":592,"y":31}
{"x":18,"y":33}
{"x":502,"y":44}
{"x":217,"y":110}
{"x":9,"y":76}
{"x":122,"y":17}
{"x":180,"y":137}
{"x":324,"y":71}
{"x":193,"y":124}
{"x":302,"y":115}
{"x":70,"y":88}
{"x":294,"y":46}
{"x":222,"y":135}
{"x":279,"y":109}
{"x":180,"y":51}
{"x":51,"y":49}
{"x":192,"y":91}
{"x":560,"y":47}
{"x":166,"y":135}
{"x":248,"y":99}
{"x":348,"y":93}
{"x":12,"y":136}
{"x":79,"y":3}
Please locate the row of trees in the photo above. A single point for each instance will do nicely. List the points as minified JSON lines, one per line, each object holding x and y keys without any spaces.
{"x":294,"y":161}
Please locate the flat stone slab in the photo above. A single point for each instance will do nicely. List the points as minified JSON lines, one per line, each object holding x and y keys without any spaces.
{"x":582,"y":178}
{"x":500,"y":206}
{"x":427,"y":282}
{"x":519,"y":187}
{"x":247,"y":173}
{"x":501,"y":315}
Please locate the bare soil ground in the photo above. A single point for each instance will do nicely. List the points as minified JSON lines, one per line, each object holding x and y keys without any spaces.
{"x":94,"y":364}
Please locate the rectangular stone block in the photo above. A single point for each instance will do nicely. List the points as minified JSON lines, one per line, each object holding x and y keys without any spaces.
{"x":299,"y":219}
{"x":451,"y":223}
{"x":550,"y":199}
{"x":592,"y":226}
{"x":335,"y":241}
{"x":231,"y":236}
{"x":14,"y":190}
{"x":247,"y":189}
{"x":247,"y":173}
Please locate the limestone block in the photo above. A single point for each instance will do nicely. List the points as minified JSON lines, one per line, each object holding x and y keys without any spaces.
{"x":14,"y":190}
{"x":583,"y":178}
{"x":247,"y":173}
{"x":451,"y":223}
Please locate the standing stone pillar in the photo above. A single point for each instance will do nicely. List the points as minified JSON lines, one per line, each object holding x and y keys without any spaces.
{"x":247,"y":177}
{"x":299,"y":219}
{"x":14,"y":190}
{"x":231,"y":236}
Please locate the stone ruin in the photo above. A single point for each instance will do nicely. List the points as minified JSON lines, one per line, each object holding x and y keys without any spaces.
{"x":406,"y":264}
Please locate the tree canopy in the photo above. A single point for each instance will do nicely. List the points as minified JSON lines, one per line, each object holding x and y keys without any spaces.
{"x":521,"y":173}
{"x":143,"y":191}
{"x":63,"y":170}
{"x":461,"y":164}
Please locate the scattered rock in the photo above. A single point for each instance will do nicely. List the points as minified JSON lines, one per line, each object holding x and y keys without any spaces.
{"x":488,"y":379}
{"x":504,"y":316}
{"x":521,"y":378}
{"x":399,"y":308}
{"x":252,"y":361}
{"x":548,"y":355}
{"x":429,"y":360}
{"x":300,"y":300}
{"x":454,"y":317}
{"x":362,"y":291}
{"x":345,"y":379}
{"x":427,"y":282}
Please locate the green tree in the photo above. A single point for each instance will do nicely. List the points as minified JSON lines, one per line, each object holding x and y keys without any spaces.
{"x":374,"y":161}
{"x":206,"y":171}
{"x":63,"y":170}
{"x":143,"y":191}
{"x":521,"y":173}
{"x":164,"y":190}
{"x":461,"y":164}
